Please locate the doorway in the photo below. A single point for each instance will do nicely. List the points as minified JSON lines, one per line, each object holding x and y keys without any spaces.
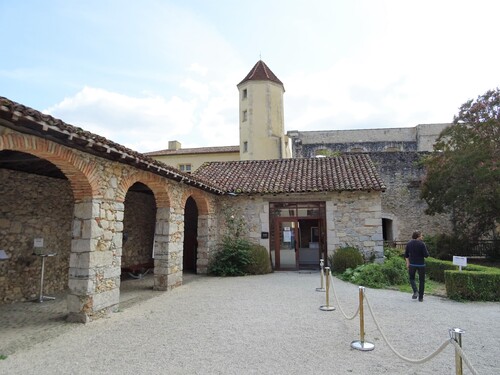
{"x":297,"y":235}
{"x":190,"y":246}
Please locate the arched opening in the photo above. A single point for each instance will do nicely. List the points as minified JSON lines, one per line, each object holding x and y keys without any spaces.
{"x":36,"y":212}
{"x":190,"y":246}
{"x":138,"y":232}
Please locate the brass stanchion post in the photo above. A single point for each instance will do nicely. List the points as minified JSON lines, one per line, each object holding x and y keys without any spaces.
{"x":322,"y":288}
{"x":362,"y":344}
{"x":327,"y":307}
{"x":456,"y":334}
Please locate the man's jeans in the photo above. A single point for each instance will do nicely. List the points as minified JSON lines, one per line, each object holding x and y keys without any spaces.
{"x":421,"y":278}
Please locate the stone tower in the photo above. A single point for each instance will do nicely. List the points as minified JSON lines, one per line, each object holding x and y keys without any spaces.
{"x":262,"y":128}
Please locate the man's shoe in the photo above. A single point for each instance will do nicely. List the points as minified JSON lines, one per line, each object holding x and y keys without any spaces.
{"x":420,"y":300}
{"x":415,"y":295}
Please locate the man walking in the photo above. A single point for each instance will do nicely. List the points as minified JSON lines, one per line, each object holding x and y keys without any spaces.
{"x":415,"y":253}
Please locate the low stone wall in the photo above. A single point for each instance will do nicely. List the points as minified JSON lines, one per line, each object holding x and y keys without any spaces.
{"x":33,"y":206}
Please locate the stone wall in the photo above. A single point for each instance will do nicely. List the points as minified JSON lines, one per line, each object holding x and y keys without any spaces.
{"x":82,"y":218}
{"x":33,"y":206}
{"x":138,"y":228}
{"x":402,"y":174}
{"x":355,"y":219}
{"x":352,"y":218}
{"x":396,"y":154}
{"x":418,"y":138}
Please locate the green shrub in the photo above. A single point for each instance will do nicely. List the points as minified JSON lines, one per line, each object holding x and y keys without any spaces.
{"x":473,"y":285}
{"x":260,"y":263}
{"x":435,"y":268}
{"x":395,"y":270}
{"x":233,"y":255}
{"x":369,"y":275}
{"x":344,"y":258}
{"x":232,"y":259}
{"x":391,"y":252}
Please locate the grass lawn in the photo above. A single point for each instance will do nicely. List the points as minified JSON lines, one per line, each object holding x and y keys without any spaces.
{"x":431,"y":287}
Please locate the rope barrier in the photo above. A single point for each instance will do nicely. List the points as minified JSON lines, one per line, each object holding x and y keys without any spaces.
{"x":417,"y":361}
{"x":340,"y":307}
{"x":464,"y":357}
{"x":458,"y":349}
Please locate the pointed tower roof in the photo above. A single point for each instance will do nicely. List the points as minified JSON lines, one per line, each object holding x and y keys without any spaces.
{"x":261,"y":72}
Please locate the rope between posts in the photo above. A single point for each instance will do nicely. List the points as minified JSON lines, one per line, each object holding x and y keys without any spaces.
{"x":425,"y":359}
{"x":338,"y":303}
{"x":464,"y":357}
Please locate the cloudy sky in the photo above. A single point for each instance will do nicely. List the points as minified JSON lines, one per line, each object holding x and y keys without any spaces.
{"x":141,"y":73}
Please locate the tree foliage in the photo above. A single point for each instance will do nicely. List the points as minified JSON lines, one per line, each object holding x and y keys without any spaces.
{"x":463,"y":175}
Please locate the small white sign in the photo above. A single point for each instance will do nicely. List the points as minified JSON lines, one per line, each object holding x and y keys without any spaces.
{"x":460,"y":261}
{"x":38,"y":242}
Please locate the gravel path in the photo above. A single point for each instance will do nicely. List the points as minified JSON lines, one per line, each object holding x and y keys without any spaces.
{"x":268,"y":324}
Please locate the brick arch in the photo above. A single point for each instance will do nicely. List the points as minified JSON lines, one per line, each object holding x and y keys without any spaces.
{"x":200,"y":199}
{"x":74,"y":167}
{"x":156,"y":183}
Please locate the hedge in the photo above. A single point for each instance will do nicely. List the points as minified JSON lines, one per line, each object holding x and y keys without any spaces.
{"x":473,"y":285}
{"x":435,"y":268}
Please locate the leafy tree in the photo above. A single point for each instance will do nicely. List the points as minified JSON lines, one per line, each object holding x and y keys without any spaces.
{"x":463,"y":175}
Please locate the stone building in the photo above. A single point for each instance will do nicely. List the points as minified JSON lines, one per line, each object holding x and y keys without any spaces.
{"x":396,"y":152}
{"x":101,"y":208}
{"x":190,"y":159}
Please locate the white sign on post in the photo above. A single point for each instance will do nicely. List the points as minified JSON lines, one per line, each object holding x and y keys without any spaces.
{"x":460,"y":261}
{"x":38,"y":242}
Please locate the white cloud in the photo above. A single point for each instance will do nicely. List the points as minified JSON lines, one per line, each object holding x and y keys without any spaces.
{"x":143,"y":124}
{"x":169,"y":71}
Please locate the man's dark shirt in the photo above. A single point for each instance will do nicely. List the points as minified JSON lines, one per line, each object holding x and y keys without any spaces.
{"x":416,"y":251}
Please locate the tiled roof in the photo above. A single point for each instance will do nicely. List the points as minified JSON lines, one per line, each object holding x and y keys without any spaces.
{"x":261,"y":72}
{"x":196,"y":150}
{"x":343,"y":173}
{"x":28,"y":120}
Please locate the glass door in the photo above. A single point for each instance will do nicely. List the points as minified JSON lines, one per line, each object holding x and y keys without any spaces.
{"x":287,"y":256}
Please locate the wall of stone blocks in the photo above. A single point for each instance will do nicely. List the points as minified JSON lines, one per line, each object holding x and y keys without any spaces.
{"x":138,"y":228}
{"x":352,"y":218}
{"x":402,"y":174}
{"x":33,"y":206}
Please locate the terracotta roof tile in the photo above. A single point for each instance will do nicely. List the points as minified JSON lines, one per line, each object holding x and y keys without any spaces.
{"x":343,"y":173}
{"x":196,"y":150}
{"x":31,"y":121}
{"x":261,"y":72}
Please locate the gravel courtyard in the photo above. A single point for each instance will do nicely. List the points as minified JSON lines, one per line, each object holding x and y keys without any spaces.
{"x":269,"y":324}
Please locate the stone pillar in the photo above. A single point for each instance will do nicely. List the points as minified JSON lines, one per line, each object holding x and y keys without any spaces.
{"x":161,"y":249}
{"x":203,"y":244}
{"x":94,"y":273}
{"x":169,"y":238}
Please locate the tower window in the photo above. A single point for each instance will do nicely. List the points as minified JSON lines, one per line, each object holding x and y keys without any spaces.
{"x":245,"y":146}
{"x":244,"y":94}
{"x":245,"y":115}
